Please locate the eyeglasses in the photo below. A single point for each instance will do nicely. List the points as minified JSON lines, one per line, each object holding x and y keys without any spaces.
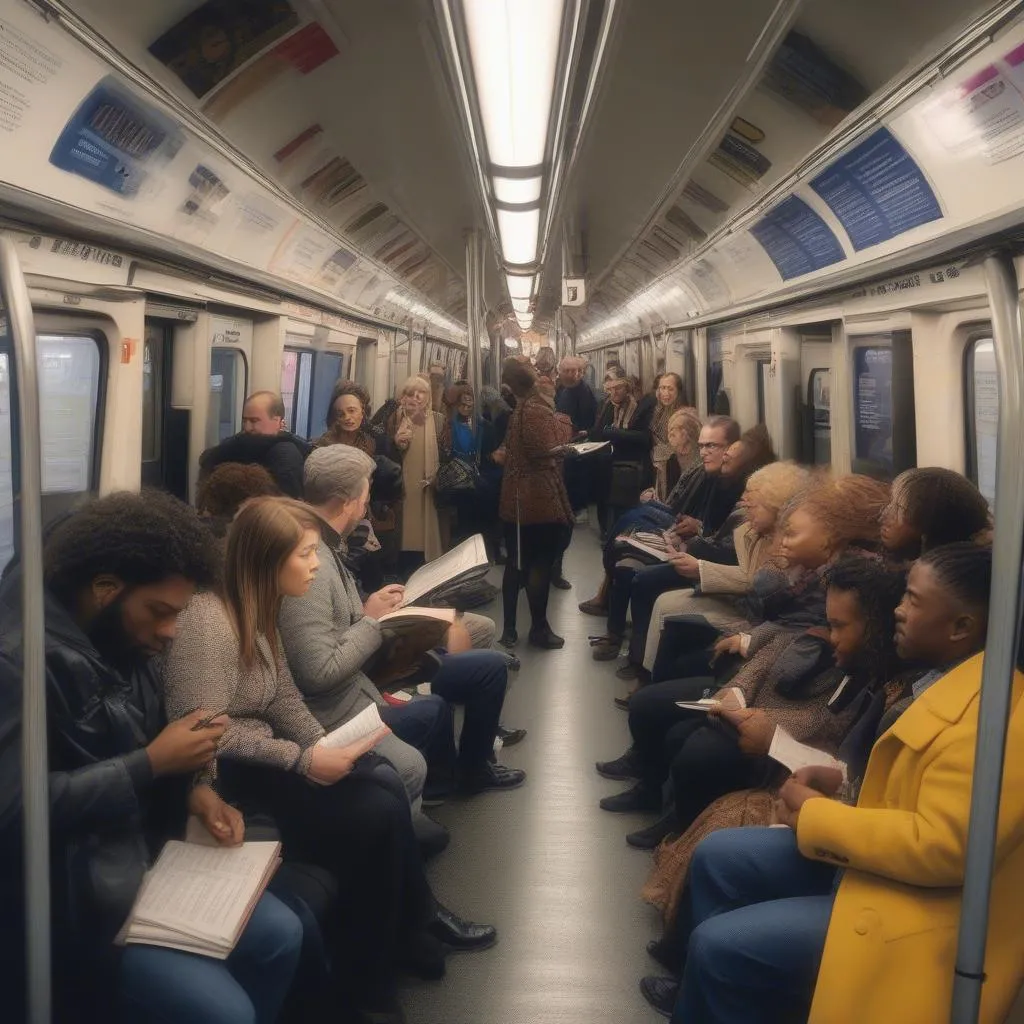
{"x":709,"y":446}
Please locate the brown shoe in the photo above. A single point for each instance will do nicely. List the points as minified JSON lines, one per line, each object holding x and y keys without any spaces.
{"x":594,"y":607}
{"x":605,"y":648}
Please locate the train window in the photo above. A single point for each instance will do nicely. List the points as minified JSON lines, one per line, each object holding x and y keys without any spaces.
{"x":366,"y":357}
{"x":328,"y":369}
{"x":152,"y":392}
{"x":70,"y":373}
{"x":228,"y":382}
{"x":885,"y":439}
{"x":761,"y":370}
{"x":296,"y":377}
{"x":819,"y":402}
{"x":982,"y":404}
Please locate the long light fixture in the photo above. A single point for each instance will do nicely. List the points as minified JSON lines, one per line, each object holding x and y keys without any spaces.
{"x":520,"y":286}
{"x":521,"y":305}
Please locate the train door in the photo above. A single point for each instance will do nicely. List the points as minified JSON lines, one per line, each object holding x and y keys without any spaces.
{"x":165,"y":430}
{"x":981,"y":399}
{"x":814,"y":399}
{"x":230,"y":359}
{"x":884,"y":426}
{"x":296,"y":388}
{"x":366,"y":362}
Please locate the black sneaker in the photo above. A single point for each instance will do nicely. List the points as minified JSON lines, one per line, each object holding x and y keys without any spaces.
{"x":661,"y":993}
{"x":510,"y":737}
{"x":492,"y":776}
{"x":622,"y":769}
{"x":546,"y":639}
{"x":639,"y":798}
{"x":561,"y":583}
{"x":628,"y":671}
{"x":648,"y":838}
{"x":509,"y":638}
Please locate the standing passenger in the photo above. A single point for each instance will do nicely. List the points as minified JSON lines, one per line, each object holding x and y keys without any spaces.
{"x":534,"y":505}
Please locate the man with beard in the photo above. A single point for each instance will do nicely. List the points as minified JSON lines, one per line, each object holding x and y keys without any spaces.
{"x":118,"y":572}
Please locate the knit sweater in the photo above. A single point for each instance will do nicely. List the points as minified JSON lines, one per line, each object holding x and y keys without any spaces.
{"x":328,"y":640}
{"x":270,"y":723}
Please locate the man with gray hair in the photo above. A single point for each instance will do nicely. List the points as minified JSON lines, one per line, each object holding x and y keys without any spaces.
{"x":330,"y":634}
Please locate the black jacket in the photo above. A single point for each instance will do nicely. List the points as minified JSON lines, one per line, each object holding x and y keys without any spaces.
{"x":108,"y":814}
{"x":282,"y":455}
{"x":578,"y":403}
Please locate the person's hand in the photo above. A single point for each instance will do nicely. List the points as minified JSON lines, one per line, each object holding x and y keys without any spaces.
{"x":728,"y":645}
{"x":821,"y":778}
{"x":224,"y":822}
{"x":385,"y":600}
{"x":686,"y":527}
{"x":458,"y":640}
{"x":648,"y":495}
{"x":178,"y":749}
{"x":328,"y":765}
{"x":498,"y":455}
{"x":685,"y":564}
{"x":792,"y":798}
{"x":755,"y":728}
{"x":403,"y":436}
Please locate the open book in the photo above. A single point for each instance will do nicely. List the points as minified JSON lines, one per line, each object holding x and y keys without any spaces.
{"x":465,"y":562}
{"x":707,"y":703}
{"x":410,"y":618}
{"x":796,"y":755}
{"x":580,"y":448}
{"x":639,"y":541}
{"x":368,"y":720}
{"x":199,"y":898}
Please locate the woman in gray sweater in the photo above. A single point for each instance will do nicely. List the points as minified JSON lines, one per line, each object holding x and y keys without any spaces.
{"x":328,"y":803}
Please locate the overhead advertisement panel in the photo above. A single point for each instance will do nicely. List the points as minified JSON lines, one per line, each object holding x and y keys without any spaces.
{"x":877,"y":191}
{"x":797,"y":239}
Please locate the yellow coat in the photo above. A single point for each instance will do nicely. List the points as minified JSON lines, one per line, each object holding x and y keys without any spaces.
{"x":891,"y":946}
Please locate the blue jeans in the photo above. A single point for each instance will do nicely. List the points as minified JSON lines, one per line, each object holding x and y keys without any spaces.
{"x":651,"y":517}
{"x":167,"y":986}
{"x":759,"y":912}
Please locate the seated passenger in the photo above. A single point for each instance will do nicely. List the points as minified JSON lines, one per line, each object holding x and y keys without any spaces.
{"x":931,"y":507}
{"x":699,"y":502}
{"x":715,"y":585}
{"x":332,"y":805}
{"x":817,"y":528}
{"x":263,"y":440}
{"x":637,"y":587}
{"x":223,"y":492}
{"x":329,"y":635}
{"x":118,"y":572}
{"x":871,"y":892}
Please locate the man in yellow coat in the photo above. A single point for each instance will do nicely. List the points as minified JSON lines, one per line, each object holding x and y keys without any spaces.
{"x":871,"y":892}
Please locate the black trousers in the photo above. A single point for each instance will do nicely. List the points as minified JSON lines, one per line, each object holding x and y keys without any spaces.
{"x":707,"y":763}
{"x":360,"y":831}
{"x":652,"y":713}
{"x":541,"y":548}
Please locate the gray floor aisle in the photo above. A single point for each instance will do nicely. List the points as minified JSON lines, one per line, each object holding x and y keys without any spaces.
{"x":544,"y":863}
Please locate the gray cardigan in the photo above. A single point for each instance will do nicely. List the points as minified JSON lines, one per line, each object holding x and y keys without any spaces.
{"x":270,"y":723}
{"x":327,"y":640}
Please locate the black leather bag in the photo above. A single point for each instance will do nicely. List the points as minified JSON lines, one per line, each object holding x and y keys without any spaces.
{"x":627,"y":484}
{"x":456,"y":477}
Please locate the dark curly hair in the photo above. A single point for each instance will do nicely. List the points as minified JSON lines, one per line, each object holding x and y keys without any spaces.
{"x":939,"y":505}
{"x":879,"y":589}
{"x":230,"y":485}
{"x":348,"y":387}
{"x":139,"y":538}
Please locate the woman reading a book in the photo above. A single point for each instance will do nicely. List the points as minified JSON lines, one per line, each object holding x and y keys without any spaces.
{"x":335,"y":806}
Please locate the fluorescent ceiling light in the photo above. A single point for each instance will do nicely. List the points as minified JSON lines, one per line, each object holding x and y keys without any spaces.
{"x":519,"y":286}
{"x":516,"y":190}
{"x":519,"y":232}
{"x":521,"y":305}
{"x":513,"y":45}
{"x":524,"y":322}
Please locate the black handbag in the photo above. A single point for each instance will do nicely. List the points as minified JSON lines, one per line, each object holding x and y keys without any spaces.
{"x":627,"y":484}
{"x":455,"y":477}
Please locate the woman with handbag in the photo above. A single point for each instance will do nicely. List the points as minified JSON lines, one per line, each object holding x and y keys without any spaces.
{"x":422,"y":440}
{"x":475,"y":500}
{"x":534,"y":505}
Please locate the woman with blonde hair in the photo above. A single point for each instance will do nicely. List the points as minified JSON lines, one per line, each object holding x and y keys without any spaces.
{"x":422,"y":439}
{"x":227,"y":657}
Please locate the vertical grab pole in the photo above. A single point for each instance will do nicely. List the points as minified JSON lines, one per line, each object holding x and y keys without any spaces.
{"x":34,"y":764}
{"x":1001,"y":642}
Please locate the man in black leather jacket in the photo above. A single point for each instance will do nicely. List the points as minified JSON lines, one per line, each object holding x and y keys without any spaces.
{"x":263,"y":440}
{"x":118,"y":572}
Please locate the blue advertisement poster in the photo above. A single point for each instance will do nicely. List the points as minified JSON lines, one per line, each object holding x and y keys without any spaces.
{"x":877,"y":191}
{"x":797,"y":239}
{"x":872,"y":405}
{"x":116,"y":140}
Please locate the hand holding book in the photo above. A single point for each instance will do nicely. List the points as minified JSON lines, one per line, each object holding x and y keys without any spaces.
{"x":330,"y":764}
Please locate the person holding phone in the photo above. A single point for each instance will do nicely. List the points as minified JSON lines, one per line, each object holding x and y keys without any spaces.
{"x":335,"y":807}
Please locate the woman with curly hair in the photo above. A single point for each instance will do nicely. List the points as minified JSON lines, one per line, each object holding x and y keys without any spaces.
{"x":669,"y":391}
{"x":931,"y":507}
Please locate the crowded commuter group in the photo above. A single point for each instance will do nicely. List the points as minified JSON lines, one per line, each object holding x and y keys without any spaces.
{"x":197,"y":657}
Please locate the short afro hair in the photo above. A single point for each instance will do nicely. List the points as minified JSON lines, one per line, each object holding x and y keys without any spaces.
{"x":139,"y":538}
{"x":230,"y":485}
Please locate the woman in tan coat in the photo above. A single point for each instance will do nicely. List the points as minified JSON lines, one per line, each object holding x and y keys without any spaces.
{"x":534,"y":505}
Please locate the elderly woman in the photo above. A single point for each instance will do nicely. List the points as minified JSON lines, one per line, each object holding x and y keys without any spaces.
{"x":534,"y":506}
{"x":422,"y":440}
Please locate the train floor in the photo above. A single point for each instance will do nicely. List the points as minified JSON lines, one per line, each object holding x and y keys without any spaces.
{"x":544,"y":863}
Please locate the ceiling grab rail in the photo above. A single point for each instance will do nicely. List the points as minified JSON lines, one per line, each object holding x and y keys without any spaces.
{"x":34,"y":765}
{"x":1001,"y":644}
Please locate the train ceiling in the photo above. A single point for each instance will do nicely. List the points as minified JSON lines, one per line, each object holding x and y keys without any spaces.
{"x":345,"y":104}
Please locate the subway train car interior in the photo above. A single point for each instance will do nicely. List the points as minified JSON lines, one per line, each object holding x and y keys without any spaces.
{"x":537,"y":480}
